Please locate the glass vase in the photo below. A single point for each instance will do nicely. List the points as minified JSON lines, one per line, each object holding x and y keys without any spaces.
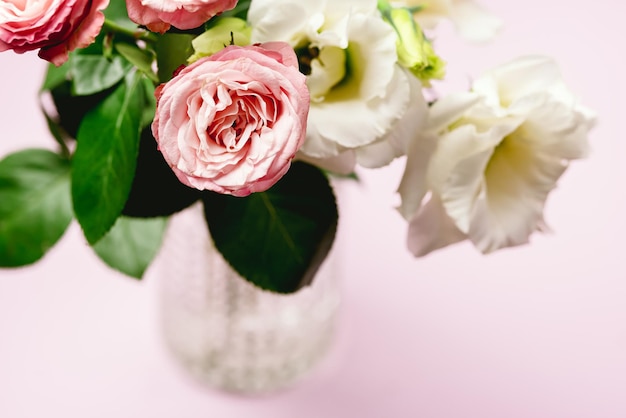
{"x":227,"y":332}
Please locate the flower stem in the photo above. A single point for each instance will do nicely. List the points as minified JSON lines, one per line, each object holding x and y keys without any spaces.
{"x":141,"y":34}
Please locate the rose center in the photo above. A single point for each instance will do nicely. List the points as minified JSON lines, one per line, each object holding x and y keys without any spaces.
{"x":240,"y":120}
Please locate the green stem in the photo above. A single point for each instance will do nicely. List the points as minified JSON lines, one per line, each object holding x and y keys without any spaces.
{"x":144,"y":35}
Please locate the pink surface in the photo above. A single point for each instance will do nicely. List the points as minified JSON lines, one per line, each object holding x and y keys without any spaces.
{"x":538,"y":331}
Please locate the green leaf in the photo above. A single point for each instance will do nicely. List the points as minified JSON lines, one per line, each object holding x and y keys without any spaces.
{"x":106,"y":155}
{"x":131,"y":244}
{"x":276,"y":239}
{"x":156,"y":190}
{"x":55,"y":76}
{"x":94,"y":73}
{"x":140,"y":58}
{"x":72,"y":109}
{"x":35,"y":205}
{"x":58,"y":133}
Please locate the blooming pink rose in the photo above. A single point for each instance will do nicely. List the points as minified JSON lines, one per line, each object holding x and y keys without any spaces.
{"x":55,"y":27}
{"x":158,"y":15}
{"x":232,"y":122}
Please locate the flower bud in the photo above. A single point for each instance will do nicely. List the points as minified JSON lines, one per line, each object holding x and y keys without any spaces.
{"x":226,"y":31}
{"x":415,"y":52}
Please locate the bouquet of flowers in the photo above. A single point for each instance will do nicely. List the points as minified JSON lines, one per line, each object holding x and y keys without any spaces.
{"x":250,"y":106}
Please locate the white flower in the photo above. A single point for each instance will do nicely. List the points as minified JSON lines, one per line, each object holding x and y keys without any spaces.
{"x":489,"y":158}
{"x":359,"y":93}
{"x":471,"y":21}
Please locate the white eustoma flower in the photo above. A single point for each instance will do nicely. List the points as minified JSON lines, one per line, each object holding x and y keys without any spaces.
{"x":488,"y":159}
{"x":470,"y":20}
{"x":359,"y":94}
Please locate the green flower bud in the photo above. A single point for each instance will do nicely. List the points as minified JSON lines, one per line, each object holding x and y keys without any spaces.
{"x":415,"y":52}
{"x":226,"y":31}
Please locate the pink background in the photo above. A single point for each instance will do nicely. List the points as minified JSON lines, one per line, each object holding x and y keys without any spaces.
{"x":538,"y":331}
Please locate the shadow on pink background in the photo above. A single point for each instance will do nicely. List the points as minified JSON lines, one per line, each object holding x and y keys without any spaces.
{"x":537,"y":331}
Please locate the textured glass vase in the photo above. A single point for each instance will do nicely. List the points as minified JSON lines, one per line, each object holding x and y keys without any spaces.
{"x":229,"y":333}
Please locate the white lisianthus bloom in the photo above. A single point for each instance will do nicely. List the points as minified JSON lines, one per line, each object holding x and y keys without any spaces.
{"x":470,"y":20}
{"x":359,"y":94}
{"x":488,"y":159}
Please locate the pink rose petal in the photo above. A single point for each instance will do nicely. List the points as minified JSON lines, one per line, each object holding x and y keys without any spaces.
{"x":232,"y":122}
{"x":55,"y":27}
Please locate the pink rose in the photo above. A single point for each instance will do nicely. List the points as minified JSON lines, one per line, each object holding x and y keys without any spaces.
{"x":158,"y":15}
{"x":55,"y":27}
{"x":232,"y":122}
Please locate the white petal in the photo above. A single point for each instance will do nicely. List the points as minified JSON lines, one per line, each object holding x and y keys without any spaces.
{"x":376,"y":155}
{"x":433,"y":12}
{"x":449,"y":109}
{"x":462,"y":143}
{"x":413,"y":186}
{"x":326,"y":72}
{"x":498,"y":159}
{"x":335,"y":125}
{"x":517,"y":79}
{"x":559,"y":130}
{"x":396,"y":142}
{"x":339,"y":18}
{"x":473,"y":22}
{"x":457,"y":167}
{"x":342,"y":164}
{"x":518,"y":179}
{"x":463,"y":187}
{"x":418,"y":175}
{"x":281,"y":20}
{"x":432,"y":229}
{"x":340,"y":8}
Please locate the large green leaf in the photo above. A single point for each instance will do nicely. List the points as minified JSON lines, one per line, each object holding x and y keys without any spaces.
{"x":72,"y":109}
{"x":55,"y":76}
{"x":94,"y":73}
{"x":276,"y":239}
{"x":35,"y":205}
{"x":156,"y":190}
{"x":58,"y":133}
{"x":106,"y":155}
{"x":131,"y":244}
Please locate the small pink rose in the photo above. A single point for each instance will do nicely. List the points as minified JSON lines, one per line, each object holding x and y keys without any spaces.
{"x":232,"y":122}
{"x":159,"y":15}
{"x":55,"y":27}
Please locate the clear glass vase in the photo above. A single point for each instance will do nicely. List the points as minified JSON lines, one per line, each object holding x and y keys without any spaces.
{"x":229,"y":333}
